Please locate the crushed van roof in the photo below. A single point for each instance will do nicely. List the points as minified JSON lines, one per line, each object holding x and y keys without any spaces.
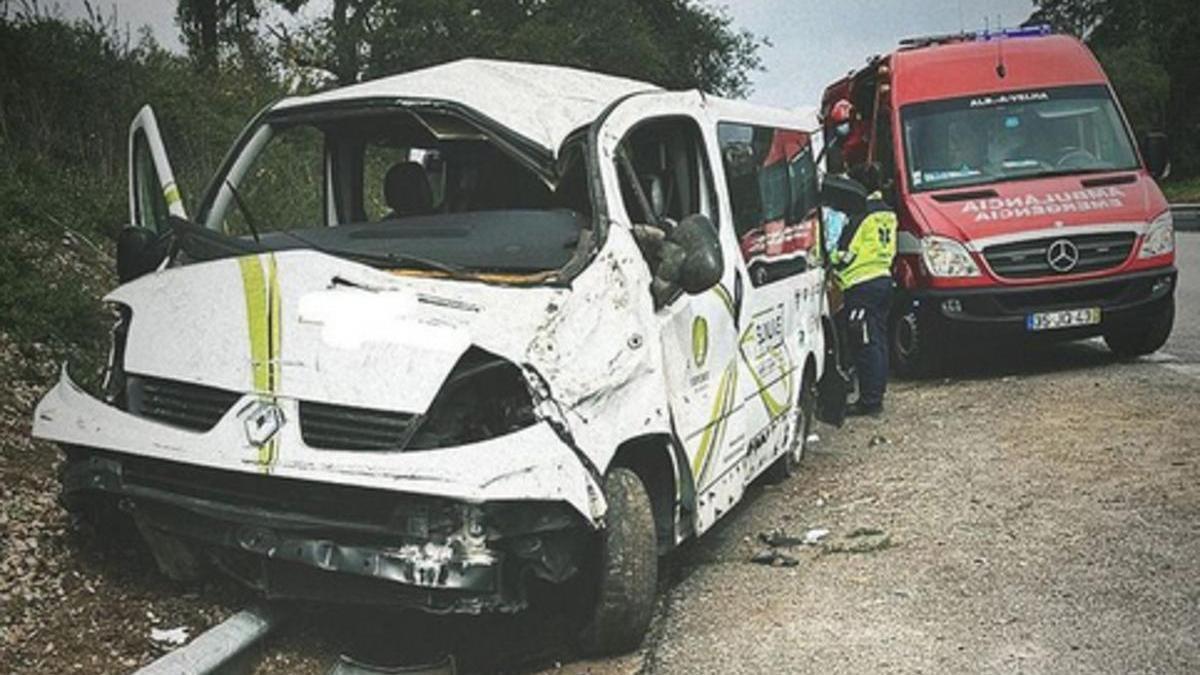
{"x":542,"y":103}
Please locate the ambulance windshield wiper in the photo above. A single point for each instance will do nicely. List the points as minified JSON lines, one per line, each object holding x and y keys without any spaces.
{"x":1056,"y":172}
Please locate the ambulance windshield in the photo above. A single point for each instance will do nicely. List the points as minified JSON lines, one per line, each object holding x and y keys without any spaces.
{"x":988,"y":138}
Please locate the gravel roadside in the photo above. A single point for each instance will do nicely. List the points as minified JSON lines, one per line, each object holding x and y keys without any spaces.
{"x":1044,"y":517}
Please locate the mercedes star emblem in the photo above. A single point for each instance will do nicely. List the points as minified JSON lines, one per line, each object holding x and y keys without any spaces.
{"x":1062,"y":255}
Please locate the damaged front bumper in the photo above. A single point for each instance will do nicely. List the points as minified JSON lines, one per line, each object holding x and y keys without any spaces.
{"x":298,"y":540}
{"x":459,"y":529}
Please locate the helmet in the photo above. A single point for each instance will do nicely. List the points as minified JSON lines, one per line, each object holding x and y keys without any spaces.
{"x":841,"y":112}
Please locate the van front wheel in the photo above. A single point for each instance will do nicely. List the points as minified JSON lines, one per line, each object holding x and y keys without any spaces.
{"x":627,"y":576}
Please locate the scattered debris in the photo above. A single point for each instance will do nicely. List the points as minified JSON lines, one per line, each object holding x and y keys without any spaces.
{"x":773,"y":558}
{"x":878,"y":439}
{"x":860,"y":540}
{"x":815,"y":535}
{"x":169,"y":637}
{"x":779,"y":538}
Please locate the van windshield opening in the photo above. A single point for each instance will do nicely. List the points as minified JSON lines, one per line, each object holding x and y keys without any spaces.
{"x":401,"y":189}
{"x":983,"y":139}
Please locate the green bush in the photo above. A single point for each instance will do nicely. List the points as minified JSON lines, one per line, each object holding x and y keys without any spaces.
{"x":68,"y":91}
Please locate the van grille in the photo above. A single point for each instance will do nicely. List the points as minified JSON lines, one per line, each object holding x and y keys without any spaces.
{"x":1024,"y":259}
{"x":327,"y":426}
{"x":180,"y":404}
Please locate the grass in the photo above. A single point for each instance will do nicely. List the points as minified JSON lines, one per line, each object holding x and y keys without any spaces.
{"x":1182,"y":191}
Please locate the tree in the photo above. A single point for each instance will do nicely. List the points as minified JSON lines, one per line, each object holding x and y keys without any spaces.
{"x":1150,"y":53}
{"x":675,"y":43}
{"x":208,"y":25}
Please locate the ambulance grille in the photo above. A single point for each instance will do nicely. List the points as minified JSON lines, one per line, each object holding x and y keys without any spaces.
{"x":179,"y":404}
{"x":1025,"y":259}
{"x":336,"y":427}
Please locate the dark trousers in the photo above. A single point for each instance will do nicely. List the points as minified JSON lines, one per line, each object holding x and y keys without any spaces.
{"x":874,"y":297}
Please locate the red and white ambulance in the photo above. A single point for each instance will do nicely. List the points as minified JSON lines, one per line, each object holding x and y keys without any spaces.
{"x":1025,"y":206}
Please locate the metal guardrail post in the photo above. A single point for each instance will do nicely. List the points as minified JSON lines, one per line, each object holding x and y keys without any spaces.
{"x":214,"y":650}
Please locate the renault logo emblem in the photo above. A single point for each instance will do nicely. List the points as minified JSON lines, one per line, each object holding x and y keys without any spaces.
{"x":1062,"y":255}
{"x":262,"y":419}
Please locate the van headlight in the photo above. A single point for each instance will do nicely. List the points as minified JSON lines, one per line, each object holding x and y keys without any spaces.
{"x":945,"y":257}
{"x":484,"y":397}
{"x":1160,"y":236}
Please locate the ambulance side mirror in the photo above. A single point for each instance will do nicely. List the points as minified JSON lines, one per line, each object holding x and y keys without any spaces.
{"x":1154,"y":151}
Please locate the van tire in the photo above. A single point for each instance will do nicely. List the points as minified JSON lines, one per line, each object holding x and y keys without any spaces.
{"x":626,"y":580}
{"x":1142,"y":338}
{"x":787,"y":464}
{"x":912,"y":350}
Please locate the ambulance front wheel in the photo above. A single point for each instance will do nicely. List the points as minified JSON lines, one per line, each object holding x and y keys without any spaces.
{"x":1142,"y":337}
{"x":912,"y":348}
{"x":626,"y":575}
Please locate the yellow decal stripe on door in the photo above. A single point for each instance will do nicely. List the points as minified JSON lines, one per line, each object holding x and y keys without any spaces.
{"x":774,"y":407}
{"x":714,"y":431}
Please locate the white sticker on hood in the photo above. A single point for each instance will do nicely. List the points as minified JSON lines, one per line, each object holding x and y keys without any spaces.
{"x":1007,"y":208}
{"x":350,"y":318}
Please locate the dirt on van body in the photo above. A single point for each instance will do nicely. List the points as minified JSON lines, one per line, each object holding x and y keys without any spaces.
{"x":1039,"y":512}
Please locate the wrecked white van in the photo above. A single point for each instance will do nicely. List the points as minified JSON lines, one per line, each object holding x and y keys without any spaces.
{"x":431,"y":339}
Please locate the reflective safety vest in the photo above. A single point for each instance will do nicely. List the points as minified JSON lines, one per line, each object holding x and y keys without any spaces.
{"x":865,"y":251}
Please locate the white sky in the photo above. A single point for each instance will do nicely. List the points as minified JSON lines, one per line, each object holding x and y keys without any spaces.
{"x":814,"y":41}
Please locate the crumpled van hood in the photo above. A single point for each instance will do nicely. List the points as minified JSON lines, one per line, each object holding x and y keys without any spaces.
{"x":1038,"y":204}
{"x":311,"y":326}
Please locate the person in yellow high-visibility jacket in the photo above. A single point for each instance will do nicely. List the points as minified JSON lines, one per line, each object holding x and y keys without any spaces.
{"x":862,"y":268}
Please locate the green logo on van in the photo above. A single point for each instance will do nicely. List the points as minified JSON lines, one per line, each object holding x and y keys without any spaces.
{"x":700,"y":341}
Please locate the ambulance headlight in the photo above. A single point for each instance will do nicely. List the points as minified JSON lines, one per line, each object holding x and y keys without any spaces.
{"x":1160,"y":236}
{"x":946,"y":257}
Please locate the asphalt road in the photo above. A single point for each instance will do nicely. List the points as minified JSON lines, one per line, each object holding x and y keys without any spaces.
{"x":1185,"y":338}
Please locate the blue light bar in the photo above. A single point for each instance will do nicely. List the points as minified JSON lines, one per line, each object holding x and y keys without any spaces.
{"x":1023,"y":32}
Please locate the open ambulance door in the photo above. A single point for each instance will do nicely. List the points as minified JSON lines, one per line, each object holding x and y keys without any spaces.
{"x":153,"y":199}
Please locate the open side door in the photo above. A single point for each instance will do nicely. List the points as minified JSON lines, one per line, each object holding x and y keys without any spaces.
{"x":153,"y":194}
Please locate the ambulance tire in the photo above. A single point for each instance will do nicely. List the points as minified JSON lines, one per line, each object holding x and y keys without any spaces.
{"x":787,"y":464}
{"x":912,"y":351}
{"x":1144,"y":337}
{"x":626,"y":580}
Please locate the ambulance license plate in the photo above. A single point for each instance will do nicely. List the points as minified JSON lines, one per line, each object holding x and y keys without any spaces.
{"x":1066,"y":318}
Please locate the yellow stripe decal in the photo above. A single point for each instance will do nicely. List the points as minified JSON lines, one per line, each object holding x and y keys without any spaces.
{"x":276,"y":335}
{"x":171,"y":193}
{"x":774,"y":408}
{"x":723,"y":293}
{"x":256,"y":317}
{"x":263,"y":319}
{"x":714,"y":431}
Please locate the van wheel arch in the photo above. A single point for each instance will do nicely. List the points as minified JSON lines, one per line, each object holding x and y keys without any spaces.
{"x":652,"y":458}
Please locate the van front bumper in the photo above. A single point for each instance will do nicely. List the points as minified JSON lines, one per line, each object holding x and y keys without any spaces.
{"x":313,"y":541}
{"x":1002,"y":313}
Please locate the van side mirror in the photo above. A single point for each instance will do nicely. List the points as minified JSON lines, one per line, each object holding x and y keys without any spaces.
{"x":843,"y":194}
{"x":1154,"y":151}
{"x":691,"y":260}
{"x":139,"y":251}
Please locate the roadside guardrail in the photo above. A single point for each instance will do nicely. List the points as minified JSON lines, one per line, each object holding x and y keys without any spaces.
{"x":1187,"y":217}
